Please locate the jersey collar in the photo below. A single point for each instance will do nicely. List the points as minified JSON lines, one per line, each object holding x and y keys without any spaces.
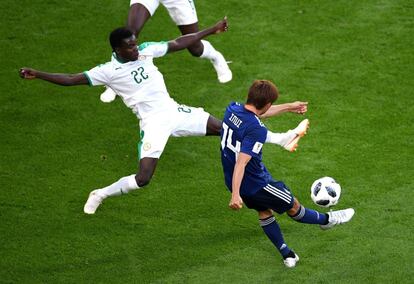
{"x":118,"y":59}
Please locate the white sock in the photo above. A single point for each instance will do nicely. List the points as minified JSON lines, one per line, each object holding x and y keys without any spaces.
{"x":280,"y":138}
{"x":122,"y":186}
{"x":209,"y":51}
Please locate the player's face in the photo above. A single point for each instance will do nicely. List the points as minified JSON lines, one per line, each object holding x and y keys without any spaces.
{"x":129,"y":49}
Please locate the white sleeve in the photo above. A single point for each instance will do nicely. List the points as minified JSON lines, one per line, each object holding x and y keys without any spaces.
{"x":154,"y":49}
{"x":100,"y":75}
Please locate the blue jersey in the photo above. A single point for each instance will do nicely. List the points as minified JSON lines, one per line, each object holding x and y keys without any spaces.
{"x":242,"y":131}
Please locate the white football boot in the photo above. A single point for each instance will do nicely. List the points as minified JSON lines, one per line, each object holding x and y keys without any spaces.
{"x":224,"y":73}
{"x":108,"y":96}
{"x":290,"y":262}
{"x":299,"y":131}
{"x":338,"y":217}
{"x":93,"y":202}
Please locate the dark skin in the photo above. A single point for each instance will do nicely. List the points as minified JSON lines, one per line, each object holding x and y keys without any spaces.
{"x":128,"y":51}
{"x":139,"y":15}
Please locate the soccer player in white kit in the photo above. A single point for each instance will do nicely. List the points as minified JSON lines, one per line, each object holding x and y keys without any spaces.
{"x":184,"y":15}
{"x":136,"y":79}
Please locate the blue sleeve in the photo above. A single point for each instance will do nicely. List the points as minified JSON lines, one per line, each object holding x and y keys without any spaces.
{"x":253,"y":141}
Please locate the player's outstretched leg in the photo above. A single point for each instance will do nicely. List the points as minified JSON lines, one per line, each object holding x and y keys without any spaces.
{"x":122,"y":186}
{"x":288,"y":140}
{"x":272,"y":230}
{"x":326,"y":221}
{"x":223,"y":71}
{"x":299,"y":132}
{"x":338,"y":217}
{"x":204,"y":49}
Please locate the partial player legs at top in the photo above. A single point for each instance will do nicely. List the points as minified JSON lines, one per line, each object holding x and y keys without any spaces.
{"x":197,"y":48}
{"x":205,"y":49}
{"x":184,"y":15}
{"x":138,"y":15}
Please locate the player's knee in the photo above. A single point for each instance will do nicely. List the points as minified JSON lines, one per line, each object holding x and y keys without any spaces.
{"x":295,"y":208}
{"x":142,"y":179}
{"x":265,"y":214}
{"x":213,"y":126}
{"x":216,"y":129}
{"x":196,"y":49}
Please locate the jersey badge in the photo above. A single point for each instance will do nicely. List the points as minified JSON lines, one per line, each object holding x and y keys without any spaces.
{"x":257,"y":147}
{"x":147,"y":146}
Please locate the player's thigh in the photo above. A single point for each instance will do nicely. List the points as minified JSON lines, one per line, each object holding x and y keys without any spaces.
{"x":275,"y":196}
{"x":151,"y":5}
{"x":295,"y":208}
{"x":188,"y":29}
{"x":154,"y":136}
{"x":182,"y":12}
{"x":252,"y":202}
{"x":190,"y":121}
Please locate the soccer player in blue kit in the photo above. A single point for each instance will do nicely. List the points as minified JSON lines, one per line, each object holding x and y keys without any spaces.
{"x":242,"y":138}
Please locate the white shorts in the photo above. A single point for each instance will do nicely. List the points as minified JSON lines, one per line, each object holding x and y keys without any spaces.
{"x":179,"y":122}
{"x":182,"y":12}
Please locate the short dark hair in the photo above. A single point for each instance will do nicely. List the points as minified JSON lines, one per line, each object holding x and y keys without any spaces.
{"x":261,"y":93}
{"x":118,"y":35}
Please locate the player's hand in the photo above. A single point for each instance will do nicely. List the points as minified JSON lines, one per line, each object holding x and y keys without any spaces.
{"x":299,"y":107}
{"x":222,"y":26}
{"x":236,"y":202}
{"x":27,"y":73}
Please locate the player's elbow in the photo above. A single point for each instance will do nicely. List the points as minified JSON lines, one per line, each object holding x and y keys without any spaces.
{"x":73,"y":80}
{"x":68,"y":82}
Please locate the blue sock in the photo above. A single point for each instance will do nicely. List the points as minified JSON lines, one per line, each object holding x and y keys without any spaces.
{"x":272,"y":231}
{"x":309,"y":216}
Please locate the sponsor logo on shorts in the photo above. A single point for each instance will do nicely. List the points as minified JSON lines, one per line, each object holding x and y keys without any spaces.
{"x":146,"y":146}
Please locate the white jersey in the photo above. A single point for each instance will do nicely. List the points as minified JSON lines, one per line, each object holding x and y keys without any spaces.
{"x":139,"y":83}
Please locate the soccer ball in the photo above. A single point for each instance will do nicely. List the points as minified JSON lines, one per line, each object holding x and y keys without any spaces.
{"x":325,"y":192}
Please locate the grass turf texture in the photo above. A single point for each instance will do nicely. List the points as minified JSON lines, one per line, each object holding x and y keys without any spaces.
{"x":351,"y":60}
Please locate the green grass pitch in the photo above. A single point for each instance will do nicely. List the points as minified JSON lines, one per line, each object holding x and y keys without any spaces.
{"x":351,"y":60}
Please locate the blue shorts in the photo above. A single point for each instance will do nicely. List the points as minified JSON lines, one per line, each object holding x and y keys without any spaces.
{"x":275,"y":195}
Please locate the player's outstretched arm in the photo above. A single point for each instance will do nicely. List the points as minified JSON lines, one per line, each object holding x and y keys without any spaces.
{"x":55,"y":78}
{"x":295,"y":107}
{"x":236,"y":202}
{"x":185,"y":41}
